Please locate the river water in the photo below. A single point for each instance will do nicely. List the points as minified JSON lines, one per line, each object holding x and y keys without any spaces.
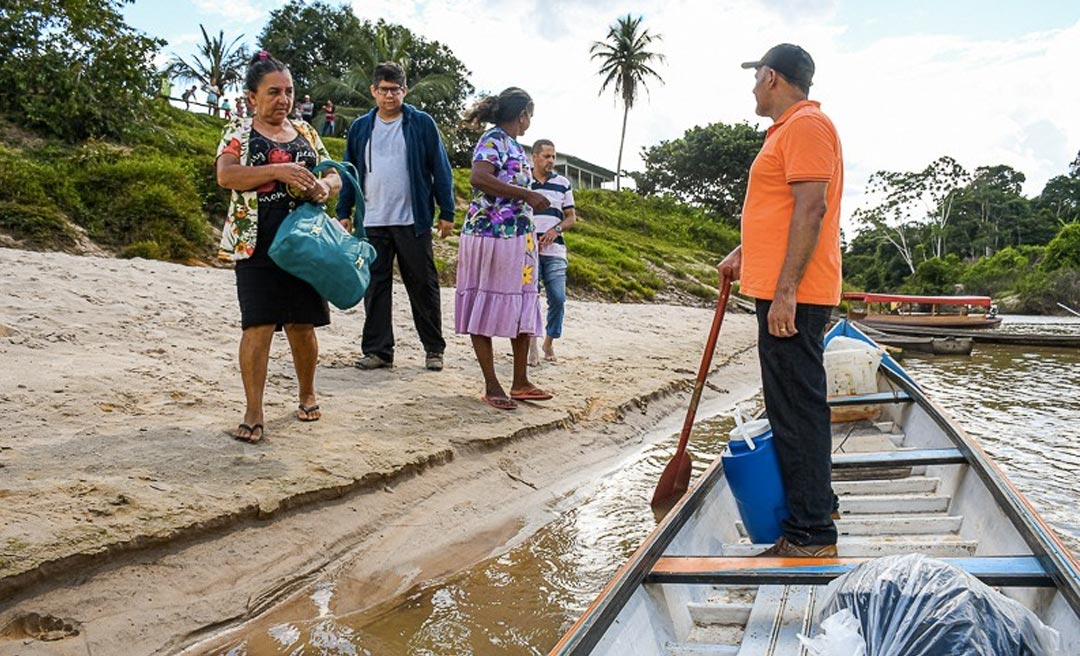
{"x":1022,"y":403}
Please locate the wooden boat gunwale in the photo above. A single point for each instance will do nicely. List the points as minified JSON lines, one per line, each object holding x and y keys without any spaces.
{"x":1056,"y":560}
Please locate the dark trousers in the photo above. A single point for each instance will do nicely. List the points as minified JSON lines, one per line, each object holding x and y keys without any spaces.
{"x":793,"y":380}
{"x":417,"y":265}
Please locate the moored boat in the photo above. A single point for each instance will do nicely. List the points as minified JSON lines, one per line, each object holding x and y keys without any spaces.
{"x":948,"y":345}
{"x":884,"y":310}
{"x":910,"y":481}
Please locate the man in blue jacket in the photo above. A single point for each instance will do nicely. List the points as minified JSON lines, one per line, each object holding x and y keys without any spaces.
{"x":404,"y":172}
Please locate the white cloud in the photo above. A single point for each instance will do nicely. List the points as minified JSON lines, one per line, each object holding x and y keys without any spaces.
{"x":899,"y":103}
{"x":235,"y":12}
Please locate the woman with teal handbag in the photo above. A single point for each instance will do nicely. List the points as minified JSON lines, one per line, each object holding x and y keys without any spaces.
{"x":267,"y":161}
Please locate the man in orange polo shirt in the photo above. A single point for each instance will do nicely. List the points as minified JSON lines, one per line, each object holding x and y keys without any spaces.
{"x":789,"y":260}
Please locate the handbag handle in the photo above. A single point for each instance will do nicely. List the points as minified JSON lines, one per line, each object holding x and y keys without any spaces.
{"x":343,"y":170}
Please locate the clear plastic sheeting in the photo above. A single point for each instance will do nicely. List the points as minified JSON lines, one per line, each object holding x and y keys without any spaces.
{"x":839,"y":636}
{"x":912,"y":605}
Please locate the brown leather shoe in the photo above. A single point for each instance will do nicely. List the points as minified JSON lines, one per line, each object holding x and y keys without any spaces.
{"x":835,"y":515}
{"x":785,"y":549}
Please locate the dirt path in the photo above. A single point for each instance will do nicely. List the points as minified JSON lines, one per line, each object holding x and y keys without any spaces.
{"x":127,"y":509}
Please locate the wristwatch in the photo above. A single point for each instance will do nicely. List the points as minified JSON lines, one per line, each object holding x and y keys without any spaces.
{"x":558,"y":228}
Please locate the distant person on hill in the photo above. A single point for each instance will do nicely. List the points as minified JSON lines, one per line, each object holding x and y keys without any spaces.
{"x":550,"y":226}
{"x":213,"y":93}
{"x":187,"y":96}
{"x":497,"y":293}
{"x":307,"y":109}
{"x":241,"y":107}
{"x":226,"y":107}
{"x":789,"y":260}
{"x":267,"y":160}
{"x":404,"y":172}
{"x":329,"y":119}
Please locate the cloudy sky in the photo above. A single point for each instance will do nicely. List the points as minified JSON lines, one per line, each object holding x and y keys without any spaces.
{"x":905,"y":82}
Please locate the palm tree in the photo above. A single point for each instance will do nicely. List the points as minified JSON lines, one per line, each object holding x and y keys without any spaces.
{"x":352,"y":86}
{"x":214,"y":62}
{"x":625,"y":63}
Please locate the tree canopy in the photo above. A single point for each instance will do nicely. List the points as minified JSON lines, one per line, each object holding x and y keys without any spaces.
{"x":332,"y":54}
{"x":73,"y":68}
{"x":708,"y":167}
{"x":928,"y":230}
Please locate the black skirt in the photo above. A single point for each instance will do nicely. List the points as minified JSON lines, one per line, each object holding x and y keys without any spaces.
{"x":267,"y":293}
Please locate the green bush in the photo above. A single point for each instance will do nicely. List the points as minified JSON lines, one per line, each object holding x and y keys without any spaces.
{"x":995,"y":274}
{"x":148,"y":250}
{"x":935,"y":276}
{"x":1040,"y":292}
{"x":141,"y":198}
{"x":42,"y":226}
{"x":1063,"y":251}
{"x":33,"y":200}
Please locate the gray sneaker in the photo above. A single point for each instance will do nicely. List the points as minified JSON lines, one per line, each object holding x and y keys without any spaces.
{"x":373,"y":362}
{"x":434,"y":361}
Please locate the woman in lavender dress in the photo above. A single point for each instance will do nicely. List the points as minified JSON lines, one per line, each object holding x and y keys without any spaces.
{"x":496,"y":274}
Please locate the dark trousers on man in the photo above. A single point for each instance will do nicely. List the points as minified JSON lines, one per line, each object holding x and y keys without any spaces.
{"x":416,"y":261}
{"x":796,"y":400}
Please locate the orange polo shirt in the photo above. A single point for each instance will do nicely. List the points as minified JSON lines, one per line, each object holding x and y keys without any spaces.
{"x":801,"y":146}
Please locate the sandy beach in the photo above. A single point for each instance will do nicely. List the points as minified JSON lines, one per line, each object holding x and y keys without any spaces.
{"x":129,"y":512}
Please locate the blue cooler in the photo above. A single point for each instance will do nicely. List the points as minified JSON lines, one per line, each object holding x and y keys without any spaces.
{"x":754,"y":478}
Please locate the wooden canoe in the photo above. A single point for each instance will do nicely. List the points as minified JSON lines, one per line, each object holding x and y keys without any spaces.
{"x":912,"y":481}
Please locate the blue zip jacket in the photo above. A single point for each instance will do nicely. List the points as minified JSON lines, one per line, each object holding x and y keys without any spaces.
{"x":430,"y":179}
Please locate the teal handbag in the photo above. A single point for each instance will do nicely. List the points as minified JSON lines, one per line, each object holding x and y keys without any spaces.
{"x":315,"y":248}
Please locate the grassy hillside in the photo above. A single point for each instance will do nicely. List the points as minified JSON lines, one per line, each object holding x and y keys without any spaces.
{"x":157,"y":197}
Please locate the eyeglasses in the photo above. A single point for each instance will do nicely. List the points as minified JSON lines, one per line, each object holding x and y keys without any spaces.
{"x":388,"y":91}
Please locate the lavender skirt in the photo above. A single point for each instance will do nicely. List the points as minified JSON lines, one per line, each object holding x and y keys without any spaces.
{"x":497,"y":287}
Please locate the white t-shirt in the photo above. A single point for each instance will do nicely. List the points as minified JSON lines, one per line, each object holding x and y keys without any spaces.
{"x":387,"y":191}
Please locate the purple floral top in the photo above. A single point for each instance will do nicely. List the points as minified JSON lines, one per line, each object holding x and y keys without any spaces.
{"x":495,"y":216}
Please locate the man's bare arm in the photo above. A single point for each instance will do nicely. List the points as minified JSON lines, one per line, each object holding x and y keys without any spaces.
{"x":810,"y":206}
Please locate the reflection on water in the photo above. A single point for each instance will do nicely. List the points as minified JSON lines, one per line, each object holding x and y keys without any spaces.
{"x":1021,"y":403}
{"x":519,"y":603}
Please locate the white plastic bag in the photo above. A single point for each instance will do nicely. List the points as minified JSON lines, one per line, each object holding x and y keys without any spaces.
{"x":840,"y":636}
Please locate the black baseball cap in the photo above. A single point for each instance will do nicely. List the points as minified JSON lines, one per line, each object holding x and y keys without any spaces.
{"x":789,"y":60}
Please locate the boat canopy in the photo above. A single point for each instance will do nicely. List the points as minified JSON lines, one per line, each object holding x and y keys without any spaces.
{"x":867,"y":297}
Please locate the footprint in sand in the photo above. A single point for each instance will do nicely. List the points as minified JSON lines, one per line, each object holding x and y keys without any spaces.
{"x":40,"y":627}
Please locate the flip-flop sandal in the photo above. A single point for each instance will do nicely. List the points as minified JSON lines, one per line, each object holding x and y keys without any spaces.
{"x":499,"y":402}
{"x":307,"y":410}
{"x":250,"y":438}
{"x":532,"y":395}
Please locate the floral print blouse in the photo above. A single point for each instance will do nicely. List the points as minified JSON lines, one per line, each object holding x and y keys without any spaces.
{"x":495,"y":216}
{"x":241,"y":229}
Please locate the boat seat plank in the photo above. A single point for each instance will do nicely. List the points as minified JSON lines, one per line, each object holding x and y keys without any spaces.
{"x":911,"y":524}
{"x":876,"y":546}
{"x":692,"y":649}
{"x":898,"y":458}
{"x":1005,"y":571}
{"x":899,"y":396}
{"x":780,"y":613}
{"x":868,"y":487}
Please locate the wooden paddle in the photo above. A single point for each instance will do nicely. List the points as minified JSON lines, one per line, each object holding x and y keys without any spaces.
{"x":675,"y":479}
